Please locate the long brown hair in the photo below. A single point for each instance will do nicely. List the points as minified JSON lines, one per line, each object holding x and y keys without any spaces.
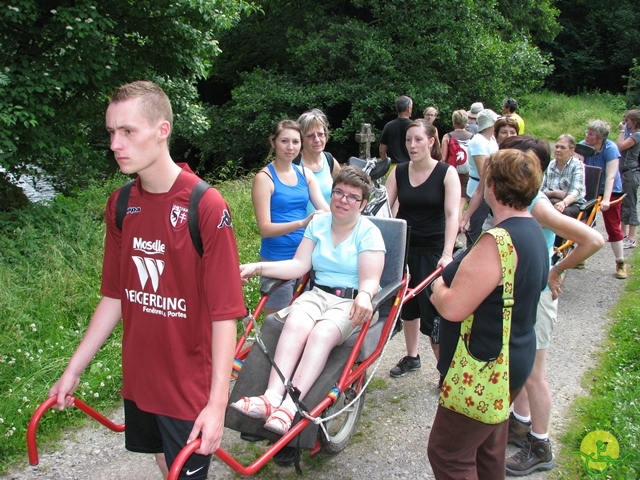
{"x":431,"y":132}
{"x":277,"y":130}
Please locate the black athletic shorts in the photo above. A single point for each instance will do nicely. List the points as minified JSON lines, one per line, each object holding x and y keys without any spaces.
{"x":150,"y":433}
{"x":422,"y":262}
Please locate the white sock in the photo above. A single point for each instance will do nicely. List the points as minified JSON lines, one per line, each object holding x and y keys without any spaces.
{"x":526,"y":419}
{"x":540,"y":436}
{"x":289,"y":405}
{"x":275,"y":399}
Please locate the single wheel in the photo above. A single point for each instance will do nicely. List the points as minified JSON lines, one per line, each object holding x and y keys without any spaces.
{"x":344,"y":426}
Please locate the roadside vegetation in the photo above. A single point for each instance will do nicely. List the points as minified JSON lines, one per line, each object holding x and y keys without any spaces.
{"x":50,"y":264}
{"x":548,"y":114}
{"x":613,"y":401}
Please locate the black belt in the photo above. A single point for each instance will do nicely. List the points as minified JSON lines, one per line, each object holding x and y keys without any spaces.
{"x":632,"y":169}
{"x":474,"y":178}
{"x":342,"y":292}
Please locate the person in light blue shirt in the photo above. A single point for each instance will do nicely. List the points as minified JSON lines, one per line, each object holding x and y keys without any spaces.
{"x":346,"y":252}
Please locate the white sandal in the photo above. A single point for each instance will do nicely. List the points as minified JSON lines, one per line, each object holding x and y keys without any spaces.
{"x":254,"y":407}
{"x":279,"y":421}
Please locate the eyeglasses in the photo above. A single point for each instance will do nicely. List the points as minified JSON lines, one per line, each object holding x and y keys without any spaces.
{"x":312,"y":136}
{"x":339,"y":195}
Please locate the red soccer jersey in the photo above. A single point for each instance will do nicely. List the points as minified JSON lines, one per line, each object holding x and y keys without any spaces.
{"x":169,"y":294}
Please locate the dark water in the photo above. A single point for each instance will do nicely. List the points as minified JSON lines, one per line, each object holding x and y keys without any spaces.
{"x":37,"y":189}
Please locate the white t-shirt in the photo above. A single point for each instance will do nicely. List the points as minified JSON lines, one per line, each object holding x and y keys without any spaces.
{"x":478,"y":146}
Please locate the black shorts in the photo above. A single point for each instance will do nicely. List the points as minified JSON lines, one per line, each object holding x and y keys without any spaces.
{"x":422,"y":263}
{"x":150,"y":433}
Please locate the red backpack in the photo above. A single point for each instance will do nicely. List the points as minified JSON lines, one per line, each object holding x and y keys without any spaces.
{"x":458,"y":154}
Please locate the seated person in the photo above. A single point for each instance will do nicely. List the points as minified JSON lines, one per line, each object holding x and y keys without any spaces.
{"x":563,"y":182}
{"x":346,"y":252}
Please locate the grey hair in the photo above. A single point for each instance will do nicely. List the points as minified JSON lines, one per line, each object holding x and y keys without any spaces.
{"x":313,"y":118}
{"x":601,"y":128}
{"x":403,"y":103}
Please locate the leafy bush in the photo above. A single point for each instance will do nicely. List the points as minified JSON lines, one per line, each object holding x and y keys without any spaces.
{"x":352,"y":60}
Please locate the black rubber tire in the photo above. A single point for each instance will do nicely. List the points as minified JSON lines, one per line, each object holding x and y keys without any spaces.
{"x":342,"y":428}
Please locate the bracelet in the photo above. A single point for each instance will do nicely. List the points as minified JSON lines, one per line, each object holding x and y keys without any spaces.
{"x":447,"y":254}
{"x":364,"y":291}
{"x":558,"y":269}
{"x":260,"y":268}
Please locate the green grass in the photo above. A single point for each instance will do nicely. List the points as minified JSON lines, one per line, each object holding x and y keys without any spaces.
{"x":547,"y":114}
{"x":50,"y":262}
{"x":613,"y":401}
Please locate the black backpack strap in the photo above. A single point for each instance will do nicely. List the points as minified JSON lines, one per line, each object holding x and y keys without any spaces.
{"x":122,"y":203}
{"x":330,"y":162}
{"x":327,"y":156}
{"x":192,"y":216}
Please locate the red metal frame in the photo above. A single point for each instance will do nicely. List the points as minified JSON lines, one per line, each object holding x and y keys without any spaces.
{"x":32,"y":446}
{"x":349,"y":376}
{"x":563,"y":249}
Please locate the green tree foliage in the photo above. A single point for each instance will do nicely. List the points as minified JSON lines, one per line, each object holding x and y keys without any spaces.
{"x":596,"y":47}
{"x":60,"y":60}
{"x":353,"y":58}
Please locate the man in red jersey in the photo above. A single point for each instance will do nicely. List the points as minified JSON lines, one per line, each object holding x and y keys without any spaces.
{"x":178,"y":308}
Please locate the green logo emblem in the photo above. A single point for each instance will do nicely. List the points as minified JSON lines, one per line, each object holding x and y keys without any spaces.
{"x":600,"y":451}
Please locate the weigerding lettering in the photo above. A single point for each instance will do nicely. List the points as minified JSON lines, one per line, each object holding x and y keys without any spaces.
{"x":153,"y":300}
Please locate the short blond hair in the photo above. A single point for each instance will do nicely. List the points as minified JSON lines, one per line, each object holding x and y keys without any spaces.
{"x":154,"y":103}
{"x":460,"y":118}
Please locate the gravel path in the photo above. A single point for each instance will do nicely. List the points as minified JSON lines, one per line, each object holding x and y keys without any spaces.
{"x":394,"y":428}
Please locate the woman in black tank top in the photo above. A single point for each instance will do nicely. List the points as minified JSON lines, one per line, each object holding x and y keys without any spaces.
{"x":425,"y":193}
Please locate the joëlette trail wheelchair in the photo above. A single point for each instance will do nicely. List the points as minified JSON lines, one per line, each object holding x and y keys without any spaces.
{"x":588,"y":211}
{"x":335,"y":402}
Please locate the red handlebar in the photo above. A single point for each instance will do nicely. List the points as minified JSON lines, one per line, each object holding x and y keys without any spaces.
{"x":412,"y":292}
{"x":50,"y":402}
{"x":32,"y":446}
{"x":181,"y":459}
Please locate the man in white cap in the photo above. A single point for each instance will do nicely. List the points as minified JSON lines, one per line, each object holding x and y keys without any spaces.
{"x":481,"y":147}
{"x":476,"y":108}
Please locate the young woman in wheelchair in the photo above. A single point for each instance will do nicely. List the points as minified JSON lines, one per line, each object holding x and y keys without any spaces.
{"x":346,"y":252}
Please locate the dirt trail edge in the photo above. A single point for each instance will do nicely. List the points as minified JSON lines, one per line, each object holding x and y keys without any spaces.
{"x":394,"y":428}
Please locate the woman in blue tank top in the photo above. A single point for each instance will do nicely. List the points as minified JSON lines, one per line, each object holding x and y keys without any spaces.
{"x":280,"y":193}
